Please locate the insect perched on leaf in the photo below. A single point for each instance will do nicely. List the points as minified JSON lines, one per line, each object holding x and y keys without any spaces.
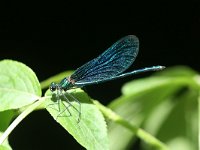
{"x":108,"y":66}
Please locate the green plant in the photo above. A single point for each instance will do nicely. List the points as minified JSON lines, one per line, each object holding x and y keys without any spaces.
{"x":165,"y":105}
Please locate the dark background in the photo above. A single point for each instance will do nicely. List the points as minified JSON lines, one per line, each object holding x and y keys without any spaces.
{"x":53,"y":37}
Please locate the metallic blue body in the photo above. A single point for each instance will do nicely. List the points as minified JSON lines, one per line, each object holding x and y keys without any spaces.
{"x":109,"y":65}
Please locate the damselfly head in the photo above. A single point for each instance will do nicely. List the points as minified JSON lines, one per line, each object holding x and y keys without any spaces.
{"x":53,"y":86}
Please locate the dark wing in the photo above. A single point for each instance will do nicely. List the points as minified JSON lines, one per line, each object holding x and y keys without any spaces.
{"x":112,"y":62}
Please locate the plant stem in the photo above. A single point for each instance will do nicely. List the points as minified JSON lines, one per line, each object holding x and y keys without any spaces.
{"x":148,"y":138}
{"x":20,"y":118}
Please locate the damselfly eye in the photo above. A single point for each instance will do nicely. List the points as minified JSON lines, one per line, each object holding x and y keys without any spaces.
{"x":53,"y":87}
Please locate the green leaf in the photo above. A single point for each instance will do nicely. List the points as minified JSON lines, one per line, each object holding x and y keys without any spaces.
{"x":146,"y":137}
{"x":141,"y":97}
{"x":6,"y":117}
{"x":147,"y":84}
{"x":199,"y":119}
{"x":2,"y":147}
{"x":136,"y":105}
{"x":19,"y":85}
{"x":181,"y":143}
{"x":57,"y":78}
{"x":91,"y":131}
{"x":180,"y":121}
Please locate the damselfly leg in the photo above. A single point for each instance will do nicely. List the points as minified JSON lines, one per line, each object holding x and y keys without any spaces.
{"x":64,"y":103}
